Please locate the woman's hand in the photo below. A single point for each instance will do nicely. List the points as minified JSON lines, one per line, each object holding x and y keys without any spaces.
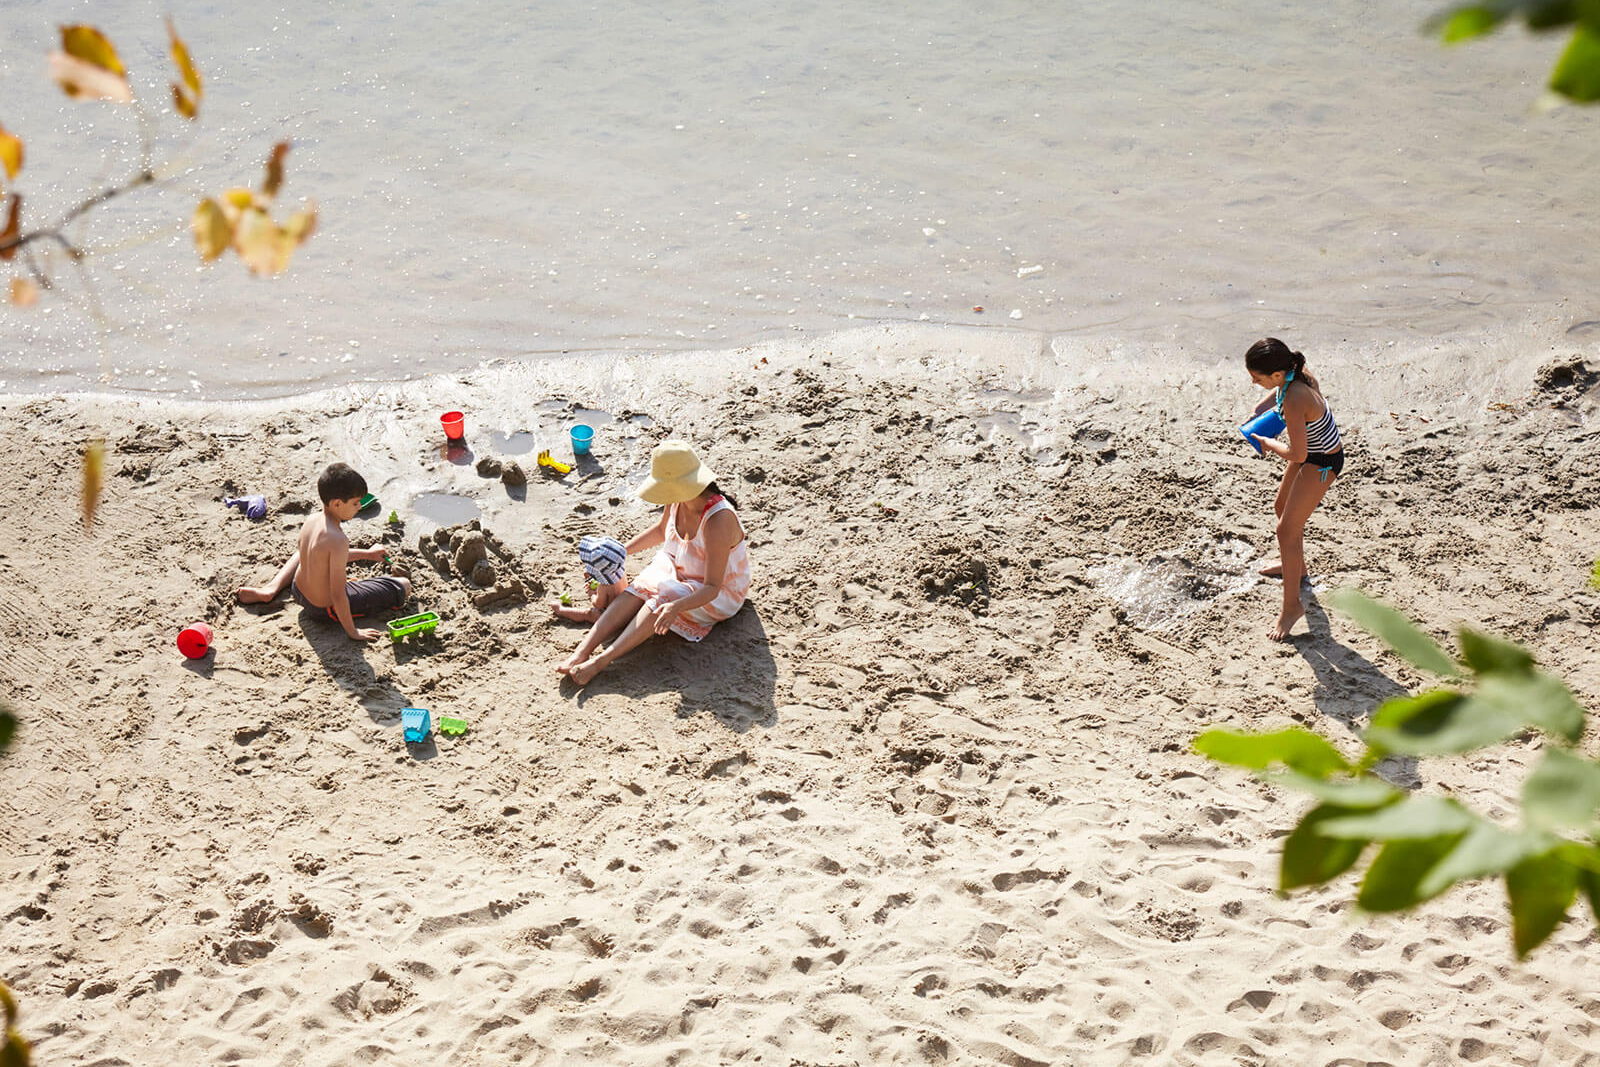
{"x":662,"y":620}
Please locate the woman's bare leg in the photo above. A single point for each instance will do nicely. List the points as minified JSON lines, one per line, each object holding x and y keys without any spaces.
{"x":610,"y":621}
{"x":1305,"y":493}
{"x":262,"y":594}
{"x":638,"y":631}
{"x":1273,"y":568}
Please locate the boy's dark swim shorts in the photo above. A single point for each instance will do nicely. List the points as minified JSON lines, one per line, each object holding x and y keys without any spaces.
{"x":367,"y":597}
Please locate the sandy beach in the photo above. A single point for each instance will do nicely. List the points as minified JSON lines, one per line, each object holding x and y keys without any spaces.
{"x":928,"y":798}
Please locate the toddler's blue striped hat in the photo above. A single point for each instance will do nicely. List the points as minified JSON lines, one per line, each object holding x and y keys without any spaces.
{"x":603,"y":559}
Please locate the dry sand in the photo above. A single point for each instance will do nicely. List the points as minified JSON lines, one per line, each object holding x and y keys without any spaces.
{"x":927,"y":799}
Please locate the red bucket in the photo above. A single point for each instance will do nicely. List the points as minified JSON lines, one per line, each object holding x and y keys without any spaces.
{"x":194,"y":640}
{"x":455,"y":425}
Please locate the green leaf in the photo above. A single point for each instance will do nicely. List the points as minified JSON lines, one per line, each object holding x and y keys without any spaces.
{"x":1311,"y":859}
{"x":1394,"y":630}
{"x":1467,"y":22}
{"x":1295,"y":747}
{"x":1414,"y":817}
{"x":1486,"y":849}
{"x":1541,"y":889}
{"x":1577,"y":73}
{"x":1393,"y":882}
{"x":1435,"y":723}
{"x":1535,"y":700}
{"x":1589,"y":882}
{"x":1502,"y":706}
{"x":1562,"y":792}
{"x":1548,"y":14}
{"x":1490,"y":655}
{"x":1366,"y":791}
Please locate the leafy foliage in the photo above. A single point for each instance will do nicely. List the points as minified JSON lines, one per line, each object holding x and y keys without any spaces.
{"x":1576,"y":75}
{"x":87,"y":66}
{"x":13,"y":1048}
{"x":1426,"y":844}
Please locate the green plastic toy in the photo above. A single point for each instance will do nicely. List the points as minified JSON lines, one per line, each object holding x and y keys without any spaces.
{"x":451,"y":726}
{"x":394,"y":518}
{"x":413,"y":624}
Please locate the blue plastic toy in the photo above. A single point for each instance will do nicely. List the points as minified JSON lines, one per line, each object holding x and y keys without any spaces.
{"x":1268,"y":424}
{"x":416,"y":723}
{"x":254,"y":506}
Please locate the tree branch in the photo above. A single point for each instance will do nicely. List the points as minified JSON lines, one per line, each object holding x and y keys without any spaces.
{"x":139,"y":181}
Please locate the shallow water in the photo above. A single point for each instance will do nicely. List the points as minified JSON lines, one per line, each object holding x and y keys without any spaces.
{"x":1159,"y":593}
{"x":503,"y":181}
{"x":445,"y":509}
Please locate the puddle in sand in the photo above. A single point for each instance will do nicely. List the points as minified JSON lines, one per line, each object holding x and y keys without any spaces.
{"x":593,"y":416}
{"x":1160,"y":593}
{"x":445,"y":509}
{"x":512,"y":444}
{"x":1009,"y":417}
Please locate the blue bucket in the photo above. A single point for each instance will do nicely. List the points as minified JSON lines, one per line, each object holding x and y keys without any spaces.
{"x":582,"y":438}
{"x":1268,"y":424}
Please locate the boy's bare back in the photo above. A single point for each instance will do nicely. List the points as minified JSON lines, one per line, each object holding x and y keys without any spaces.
{"x":324,"y":552}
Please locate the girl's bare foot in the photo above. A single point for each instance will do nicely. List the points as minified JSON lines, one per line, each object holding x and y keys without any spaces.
{"x":566,"y":665}
{"x":562,"y":611}
{"x":1270,"y":569}
{"x":249,"y":594}
{"x":1286,"y":620}
{"x":584,"y":672}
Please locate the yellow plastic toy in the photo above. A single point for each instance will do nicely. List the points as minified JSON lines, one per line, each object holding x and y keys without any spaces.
{"x":553,"y":465}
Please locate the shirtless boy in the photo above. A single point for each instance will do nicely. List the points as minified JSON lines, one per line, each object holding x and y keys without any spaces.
{"x":315,"y":573}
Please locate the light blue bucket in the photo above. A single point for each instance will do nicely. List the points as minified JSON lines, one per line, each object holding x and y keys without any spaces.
{"x":582,"y":438}
{"x":1268,"y":424}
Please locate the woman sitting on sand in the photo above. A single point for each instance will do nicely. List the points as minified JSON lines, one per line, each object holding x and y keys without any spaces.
{"x":699,"y":577}
{"x":1315,"y":457}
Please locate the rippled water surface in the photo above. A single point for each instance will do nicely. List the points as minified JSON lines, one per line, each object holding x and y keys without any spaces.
{"x":499,"y":180}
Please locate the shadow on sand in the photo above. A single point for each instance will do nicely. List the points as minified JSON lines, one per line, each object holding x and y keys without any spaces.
{"x":1349,"y":686}
{"x":346,"y":663}
{"x":731,"y":674}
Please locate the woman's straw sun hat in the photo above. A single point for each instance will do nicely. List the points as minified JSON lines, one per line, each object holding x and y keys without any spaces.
{"x":676,"y":474}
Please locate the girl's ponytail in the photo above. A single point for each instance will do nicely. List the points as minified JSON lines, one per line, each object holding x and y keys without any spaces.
{"x":1270,"y":355}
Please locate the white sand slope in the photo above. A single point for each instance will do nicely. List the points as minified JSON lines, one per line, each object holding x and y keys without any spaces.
{"x":928,"y":799}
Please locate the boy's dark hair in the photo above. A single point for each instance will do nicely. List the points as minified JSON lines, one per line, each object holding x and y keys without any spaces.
{"x":340,"y":482}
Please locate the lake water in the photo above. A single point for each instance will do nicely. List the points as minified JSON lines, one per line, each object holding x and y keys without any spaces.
{"x":504,"y":181}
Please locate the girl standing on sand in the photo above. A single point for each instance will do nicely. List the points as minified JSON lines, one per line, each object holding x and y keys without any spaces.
{"x":1315,"y":456}
{"x":699,"y":577}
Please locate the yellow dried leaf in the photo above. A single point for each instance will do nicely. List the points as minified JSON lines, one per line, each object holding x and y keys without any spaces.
{"x":186,"y":69}
{"x":94,"y":457}
{"x":239,"y":199}
{"x":261,"y":244}
{"x":302,"y":224}
{"x":91,"y":46}
{"x":274,"y":179}
{"x":13,"y":228}
{"x":24,"y":293}
{"x":82,"y":80}
{"x":183,"y":103}
{"x":212,"y":231}
{"x":10,"y":152}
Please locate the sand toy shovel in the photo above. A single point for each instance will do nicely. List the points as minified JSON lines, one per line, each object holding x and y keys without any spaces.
{"x":555,"y":466}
